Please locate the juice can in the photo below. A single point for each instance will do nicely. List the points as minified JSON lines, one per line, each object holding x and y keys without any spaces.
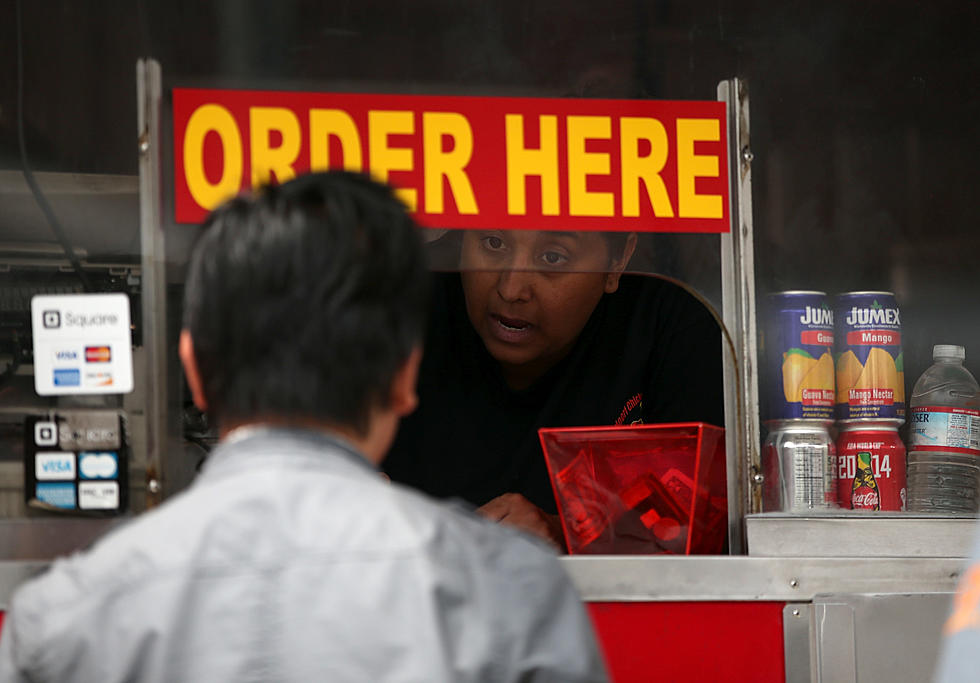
{"x":799,"y":346}
{"x":870,"y":466}
{"x":800,"y":467}
{"x":870,"y":366}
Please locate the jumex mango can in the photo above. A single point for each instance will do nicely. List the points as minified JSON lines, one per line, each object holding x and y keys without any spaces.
{"x":799,"y":346}
{"x":869,"y":366}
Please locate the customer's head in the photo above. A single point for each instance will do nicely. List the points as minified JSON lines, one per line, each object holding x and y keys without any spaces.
{"x":305,"y":303}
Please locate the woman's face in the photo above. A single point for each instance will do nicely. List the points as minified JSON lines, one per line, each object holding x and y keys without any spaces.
{"x":530,"y":293}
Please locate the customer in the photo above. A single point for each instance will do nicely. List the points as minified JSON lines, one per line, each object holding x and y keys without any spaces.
{"x":291,"y":558}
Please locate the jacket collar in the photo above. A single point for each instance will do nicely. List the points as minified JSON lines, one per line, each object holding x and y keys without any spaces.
{"x":286,"y":445}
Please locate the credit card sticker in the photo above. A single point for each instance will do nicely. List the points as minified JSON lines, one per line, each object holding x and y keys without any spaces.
{"x":98,"y":465}
{"x":59,"y":495}
{"x":48,"y":466}
{"x":98,"y":495}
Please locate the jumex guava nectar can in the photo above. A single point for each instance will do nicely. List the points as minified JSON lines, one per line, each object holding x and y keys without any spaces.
{"x":799,"y":342}
{"x":869,"y":366}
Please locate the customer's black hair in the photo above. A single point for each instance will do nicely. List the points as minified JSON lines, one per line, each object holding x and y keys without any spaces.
{"x":305,"y":300}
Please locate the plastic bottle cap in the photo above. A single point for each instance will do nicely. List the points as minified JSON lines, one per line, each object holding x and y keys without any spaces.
{"x":948,"y":351}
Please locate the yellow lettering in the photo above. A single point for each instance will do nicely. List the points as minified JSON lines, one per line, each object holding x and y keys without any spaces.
{"x":691,"y":166}
{"x":384,"y":159}
{"x":267,"y":160}
{"x":646,"y":168}
{"x":582,"y":164}
{"x":207,"y":119}
{"x":325,"y":123}
{"x":451,"y":165}
{"x":522,"y":162}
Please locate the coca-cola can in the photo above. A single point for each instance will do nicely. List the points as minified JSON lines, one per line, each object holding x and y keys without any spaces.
{"x":870,"y":466}
{"x":799,"y":466}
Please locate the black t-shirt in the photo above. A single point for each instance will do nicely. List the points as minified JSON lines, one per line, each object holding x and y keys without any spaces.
{"x":649,"y":353}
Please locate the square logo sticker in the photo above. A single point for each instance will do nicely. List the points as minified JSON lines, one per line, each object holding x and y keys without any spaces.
{"x":83,"y":344}
{"x":51,"y":319}
{"x":45,"y":434}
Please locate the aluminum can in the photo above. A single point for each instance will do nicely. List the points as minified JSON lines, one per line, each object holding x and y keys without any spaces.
{"x":799,"y":461}
{"x":799,"y":347}
{"x":870,"y":466}
{"x":870,"y":364}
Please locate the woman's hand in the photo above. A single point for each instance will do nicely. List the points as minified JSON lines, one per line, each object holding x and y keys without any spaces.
{"x":516,"y":511}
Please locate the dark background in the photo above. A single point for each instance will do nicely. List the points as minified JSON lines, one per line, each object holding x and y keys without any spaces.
{"x":864,"y":113}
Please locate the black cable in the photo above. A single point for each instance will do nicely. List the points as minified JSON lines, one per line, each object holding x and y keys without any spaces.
{"x":29,"y":175}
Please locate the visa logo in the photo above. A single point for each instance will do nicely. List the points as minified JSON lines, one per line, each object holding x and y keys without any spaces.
{"x":71,"y":377}
{"x":54,"y":466}
{"x":66,"y":355}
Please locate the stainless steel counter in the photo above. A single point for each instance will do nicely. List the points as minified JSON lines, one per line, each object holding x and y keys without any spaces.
{"x":857,"y":534}
{"x":793,"y":579}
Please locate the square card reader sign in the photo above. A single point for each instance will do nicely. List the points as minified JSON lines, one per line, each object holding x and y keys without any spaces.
{"x":82,"y":344}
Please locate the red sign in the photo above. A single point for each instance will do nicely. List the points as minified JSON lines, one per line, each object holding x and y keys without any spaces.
{"x":468,"y":162}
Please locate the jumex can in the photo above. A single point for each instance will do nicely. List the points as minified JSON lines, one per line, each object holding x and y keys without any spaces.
{"x":799,"y":461}
{"x":870,"y":466}
{"x":870,"y":365}
{"x":799,"y":345}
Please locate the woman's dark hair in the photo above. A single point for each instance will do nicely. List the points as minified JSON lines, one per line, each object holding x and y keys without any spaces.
{"x":305,"y":300}
{"x":616,"y":241}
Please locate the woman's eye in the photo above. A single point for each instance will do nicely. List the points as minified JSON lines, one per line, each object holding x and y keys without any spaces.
{"x":493,"y":243}
{"x":554,"y":258}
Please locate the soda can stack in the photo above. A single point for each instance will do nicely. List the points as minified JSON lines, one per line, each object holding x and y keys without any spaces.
{"x":799,"y":456}
{"x":870,"y":380}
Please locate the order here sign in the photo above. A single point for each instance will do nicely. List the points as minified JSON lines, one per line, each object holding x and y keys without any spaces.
{"x":468,"y":162}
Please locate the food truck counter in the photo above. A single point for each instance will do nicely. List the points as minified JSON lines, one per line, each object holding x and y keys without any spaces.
{"x":793,"y":579}
{"x":841,"y":597}
{"x":866,"y":604}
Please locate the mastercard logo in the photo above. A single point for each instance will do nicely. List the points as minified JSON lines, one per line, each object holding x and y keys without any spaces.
{"x":98,"y":354}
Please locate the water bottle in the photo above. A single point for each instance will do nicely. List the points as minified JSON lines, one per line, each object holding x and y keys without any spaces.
{"x":944,"y":442}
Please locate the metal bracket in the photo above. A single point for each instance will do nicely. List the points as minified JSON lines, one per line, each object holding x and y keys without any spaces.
{"x":738,"y":315}
{"x":154,"y":302}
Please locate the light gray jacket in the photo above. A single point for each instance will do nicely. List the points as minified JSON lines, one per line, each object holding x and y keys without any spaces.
{"x":290,"y":559}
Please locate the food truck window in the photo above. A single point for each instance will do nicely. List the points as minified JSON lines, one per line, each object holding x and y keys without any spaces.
{"x":533,"y":329}
{"x":859,"y":182}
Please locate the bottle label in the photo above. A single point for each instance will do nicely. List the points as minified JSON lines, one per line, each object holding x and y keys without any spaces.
{"x":940,"y":428}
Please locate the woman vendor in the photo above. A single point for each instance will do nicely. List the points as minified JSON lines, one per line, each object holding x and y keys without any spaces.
{"x":544,"y":329}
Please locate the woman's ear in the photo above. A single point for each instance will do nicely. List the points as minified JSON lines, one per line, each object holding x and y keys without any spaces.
{"x":619,"y":263}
